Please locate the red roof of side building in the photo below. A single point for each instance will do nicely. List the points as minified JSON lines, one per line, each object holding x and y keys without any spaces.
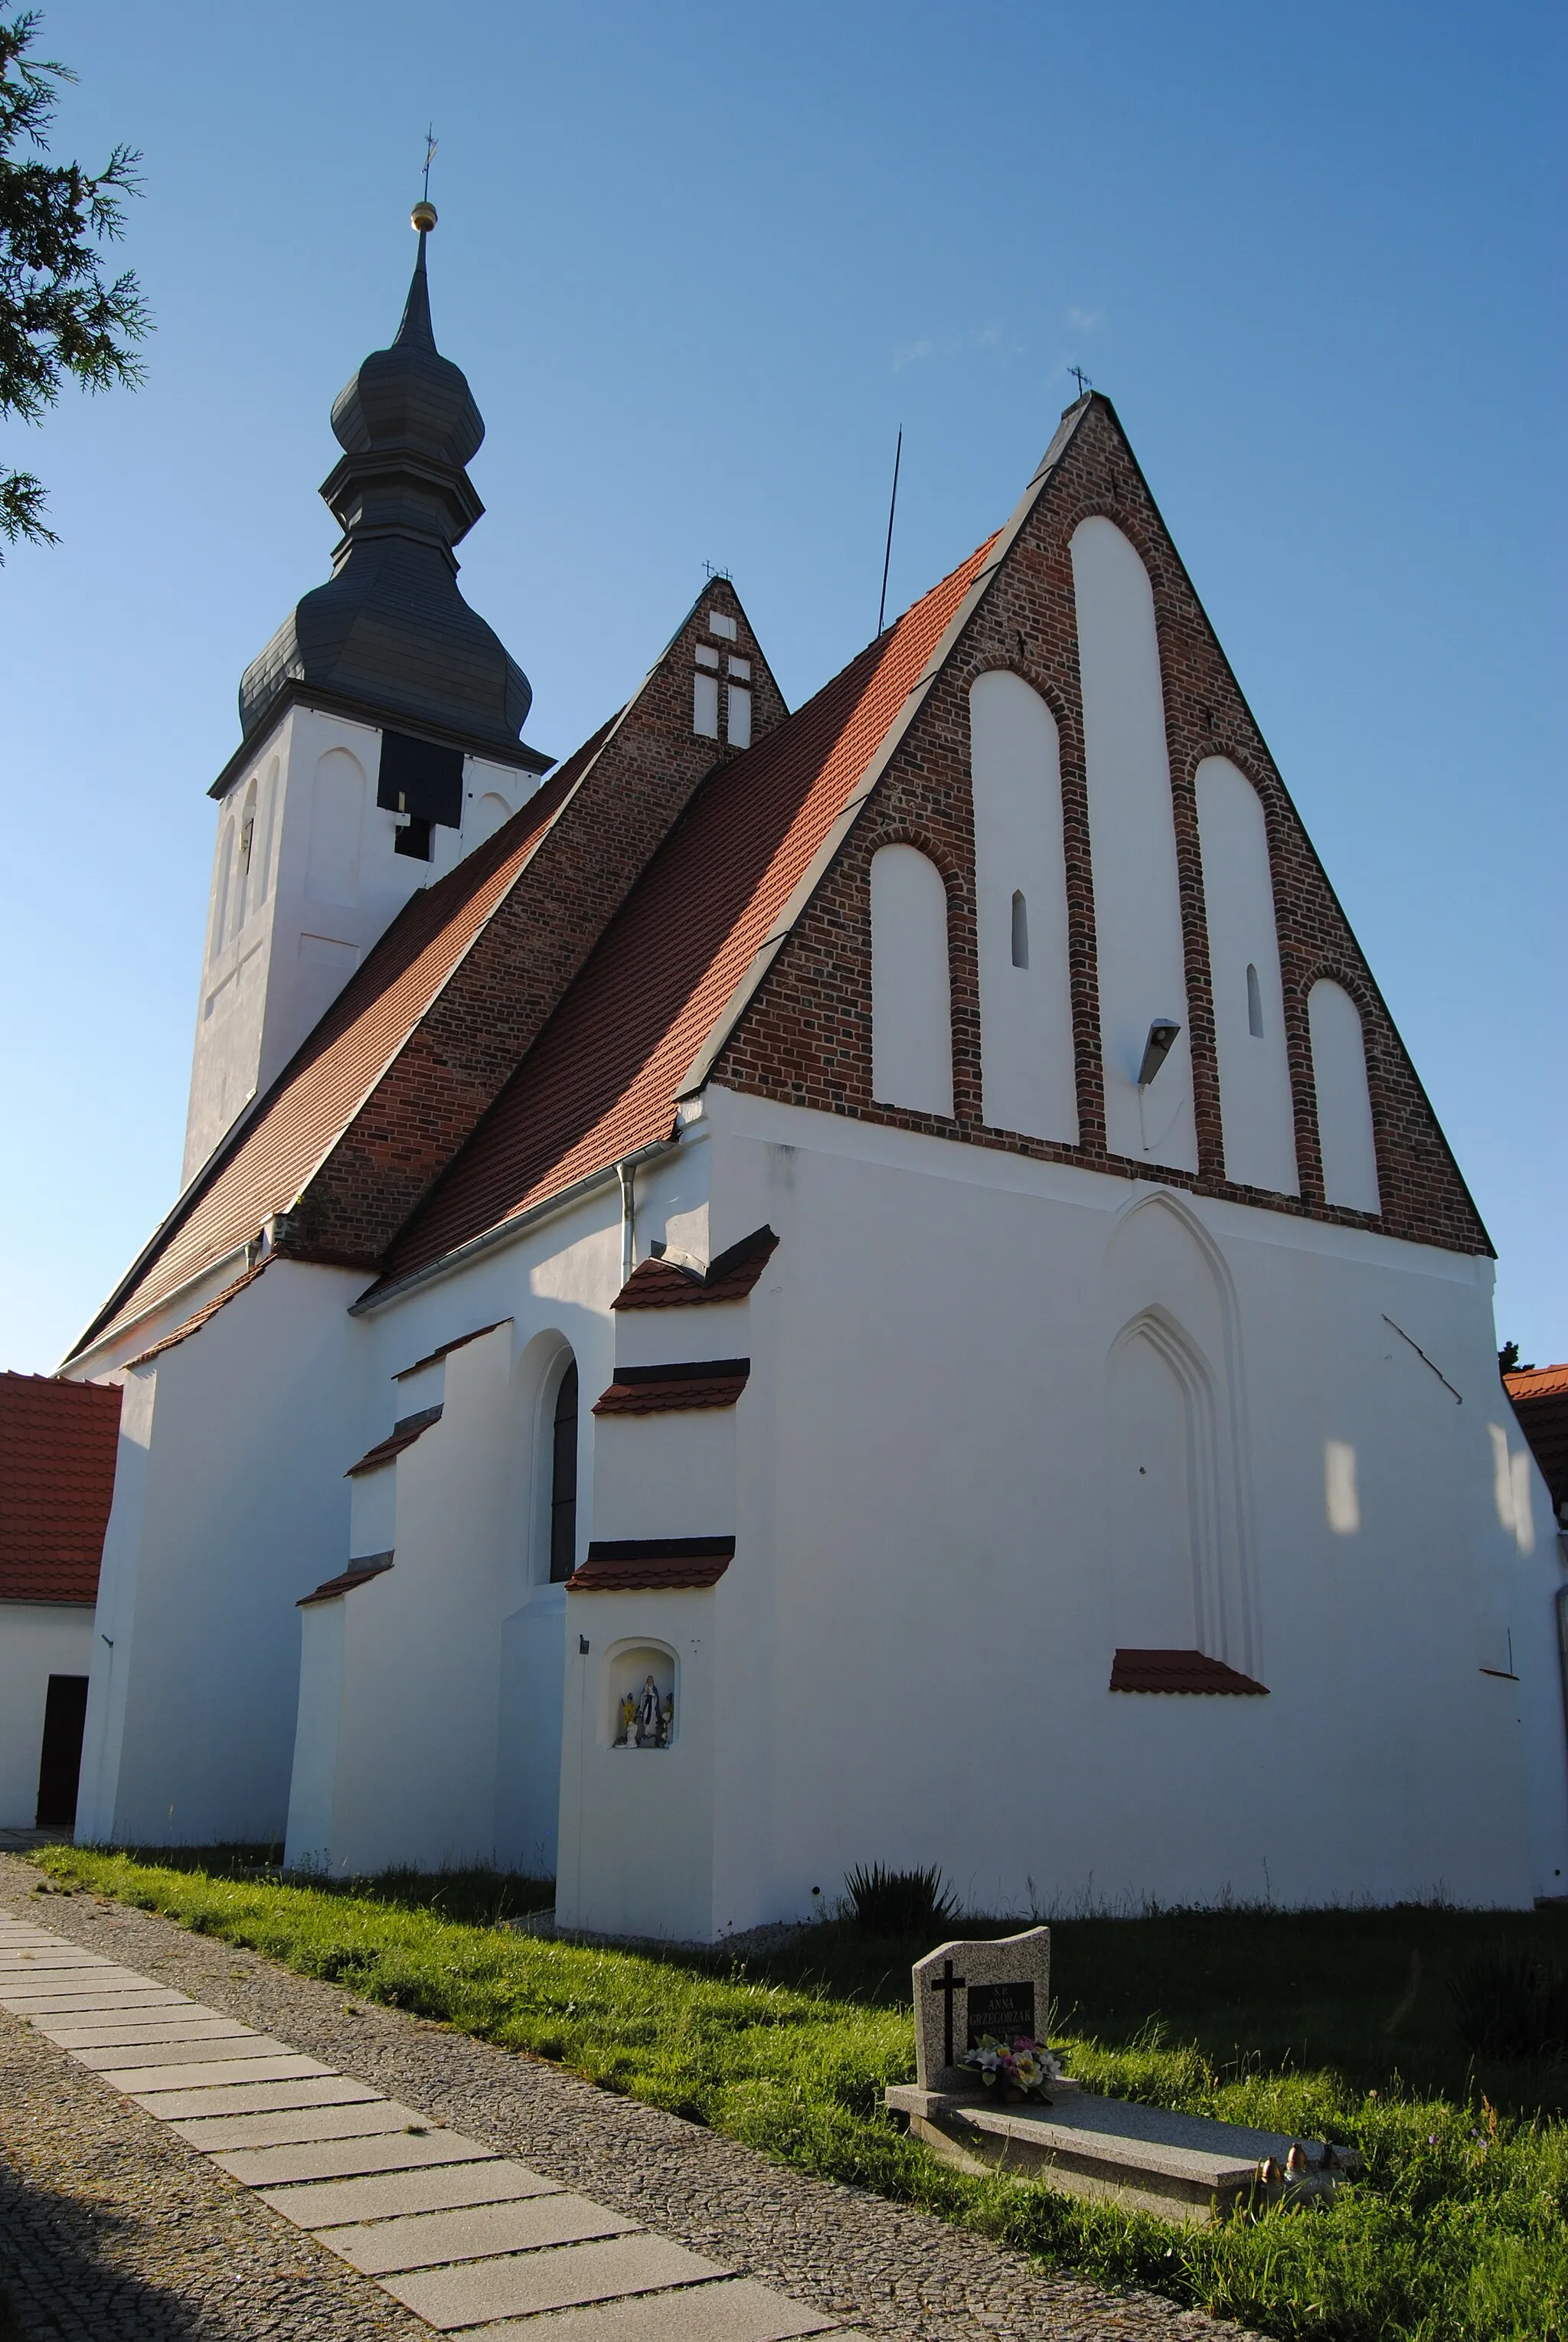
{"x":58,"y":1443}
{"x":601,"y":1080}
{"x":1540,"y":1396}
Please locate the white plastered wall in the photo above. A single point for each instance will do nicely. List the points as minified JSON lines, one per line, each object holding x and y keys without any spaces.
{"x":917,"y":1628}
{"x":1027,"y":1059}
{"x":1255,"y":1106}
{"x":1132,"y":842}
{"x":287,"y":927}
{"x":431,"y":1698}
{"x":37,"y":1640}
{"x":229,"y":1504}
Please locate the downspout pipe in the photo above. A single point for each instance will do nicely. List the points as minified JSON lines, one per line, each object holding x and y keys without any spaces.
{"x":626,"y":1173}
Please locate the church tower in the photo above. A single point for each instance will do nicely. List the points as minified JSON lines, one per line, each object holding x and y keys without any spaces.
{"x":380,"y":730}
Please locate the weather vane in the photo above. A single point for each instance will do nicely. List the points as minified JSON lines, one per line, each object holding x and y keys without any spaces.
{"x":424,"y":213}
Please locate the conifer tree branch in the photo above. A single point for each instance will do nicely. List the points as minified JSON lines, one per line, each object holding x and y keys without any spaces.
{"x":60,"y":315}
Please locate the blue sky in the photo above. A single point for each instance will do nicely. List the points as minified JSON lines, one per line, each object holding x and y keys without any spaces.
{"x":700,"y":266}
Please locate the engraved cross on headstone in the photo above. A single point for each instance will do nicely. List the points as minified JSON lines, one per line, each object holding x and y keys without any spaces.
{"x":947,"y":1983}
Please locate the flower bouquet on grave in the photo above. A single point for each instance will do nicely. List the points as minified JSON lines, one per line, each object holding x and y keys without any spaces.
{"x":1019,"y":2072}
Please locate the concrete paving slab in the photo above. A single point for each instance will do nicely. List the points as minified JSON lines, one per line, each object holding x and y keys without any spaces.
{"x":259,"y":2097}
{"x":735,"y":2310}
{"x":49,"y":1953}
{"x":434,"y":2239}
{"x":388,"y":2196}
{"x":523,"y":2284}
{"x":139,"y":2080}
{"x":24,"y":1968}
{"x":102,"y":1976}
{"x":222,"y":2134}
{"x":67,"y":2003}
{"x":101,"y":2032}
{"x":120,"y":2057}
{"x":348,"y":2159}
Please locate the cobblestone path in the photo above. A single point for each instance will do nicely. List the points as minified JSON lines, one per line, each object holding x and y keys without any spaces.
{"x":149,"y":2139}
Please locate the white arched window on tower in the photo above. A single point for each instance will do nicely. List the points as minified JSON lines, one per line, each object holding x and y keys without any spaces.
{"x":245,"y":874}
{"x":1133,"y":844}
{"x":1255,"y":1107}
{"x":1021,"y":904}
{"x":266,"y":823}
{"x":222,"y":881}
{"x":1344,"y":1126}
{"x":911,"y":993}
{"x":336,"y":815}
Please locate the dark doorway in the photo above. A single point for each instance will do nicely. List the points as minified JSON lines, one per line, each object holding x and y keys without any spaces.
{"x":65,"y":1713}
{"x":564,"y":1480}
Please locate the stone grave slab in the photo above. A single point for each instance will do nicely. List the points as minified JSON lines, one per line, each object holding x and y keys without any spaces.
{"x":1181,"y":2167}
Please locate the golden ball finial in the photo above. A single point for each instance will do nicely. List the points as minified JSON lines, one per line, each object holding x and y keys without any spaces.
{"x":423,"y":215}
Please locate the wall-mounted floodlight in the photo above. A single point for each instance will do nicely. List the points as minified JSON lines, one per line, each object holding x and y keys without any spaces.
{"x":1162,"y":1039}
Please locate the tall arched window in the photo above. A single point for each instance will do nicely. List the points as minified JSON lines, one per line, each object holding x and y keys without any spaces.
{"x":1021,"y":909}
{"x":336,"y":815}
{"x":221,"y":888}
{"x":911,"y":992}
{"x":1141,"y":953}
{"x":242,"y":867}
{"x":1345,"y":1126}
{"x":1256,"y":1111}
{"x":564,"y":1480}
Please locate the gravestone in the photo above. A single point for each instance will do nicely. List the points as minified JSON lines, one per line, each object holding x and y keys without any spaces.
{"x":964,"y":1991}
{"x":1182,"y":2167}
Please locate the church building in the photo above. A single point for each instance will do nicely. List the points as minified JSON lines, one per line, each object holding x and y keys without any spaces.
{"x":873,"y":1284}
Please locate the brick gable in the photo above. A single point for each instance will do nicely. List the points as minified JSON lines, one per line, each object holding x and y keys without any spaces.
{"x":805,"y":1036}
{"x":463,"y":1050}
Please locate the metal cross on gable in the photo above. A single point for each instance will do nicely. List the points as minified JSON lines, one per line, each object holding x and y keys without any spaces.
{"x":1081,"y":378}
{"x":947,"y":1983}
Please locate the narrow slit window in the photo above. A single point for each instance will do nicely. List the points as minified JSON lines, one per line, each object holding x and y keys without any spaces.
{"x":1255,"y":1004}
{"x":738,"y":716}
{"x":706,"y":706}
{"x":564,"y":1480}
{"x":1020,"y":932}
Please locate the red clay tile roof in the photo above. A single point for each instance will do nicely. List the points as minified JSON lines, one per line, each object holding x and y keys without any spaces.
{"x":261,"y":1167}
{"x":403,"y":1434}
{"x":670,"y":1390}
{"x":601,"y":1080}
{"x":358,"y":1573}
{"x":652,"y":1564}
{"x":1192,"y":1671}
{"x":198,"y":1318}
{"x":661,"y":1284}
{"x":1541,"y":1402}
{"x":58,"y":1443}
{"x":433,"y":1358}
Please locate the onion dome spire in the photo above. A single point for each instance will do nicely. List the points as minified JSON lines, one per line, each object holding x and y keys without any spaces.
{"x":390,"y":630}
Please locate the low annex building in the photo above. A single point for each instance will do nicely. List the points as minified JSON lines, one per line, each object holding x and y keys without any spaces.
{"x":874,"y":1283}
{"x":57,"y":1445}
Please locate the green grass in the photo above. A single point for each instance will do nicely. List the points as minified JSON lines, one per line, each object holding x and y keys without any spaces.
{"x":1335,"y":2023}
